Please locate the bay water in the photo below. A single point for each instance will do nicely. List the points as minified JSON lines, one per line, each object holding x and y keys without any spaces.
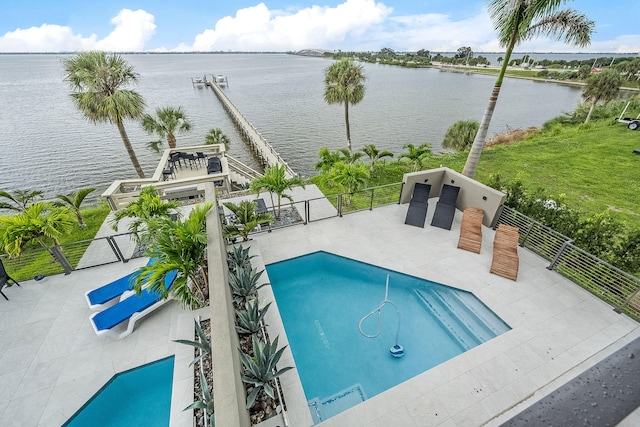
{"x":46,"y":144}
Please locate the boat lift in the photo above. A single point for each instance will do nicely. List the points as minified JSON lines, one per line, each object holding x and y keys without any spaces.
{"x":632,"y":124}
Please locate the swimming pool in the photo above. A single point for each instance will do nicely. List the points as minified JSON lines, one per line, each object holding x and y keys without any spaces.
{"x":322,"y":299}
{"x":138,"y":397}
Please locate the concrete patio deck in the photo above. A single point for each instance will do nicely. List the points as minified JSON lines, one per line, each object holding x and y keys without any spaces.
{"x":558,"y":329}
{"x":51,"y":361}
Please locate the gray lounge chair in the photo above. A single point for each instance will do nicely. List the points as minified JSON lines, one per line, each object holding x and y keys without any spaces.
{"x":417,"y":211}
{"x":5,"y":279}
{"x":446,"y":207}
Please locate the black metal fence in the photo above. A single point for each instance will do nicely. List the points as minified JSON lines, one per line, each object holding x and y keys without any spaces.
{"x":616,"y":287}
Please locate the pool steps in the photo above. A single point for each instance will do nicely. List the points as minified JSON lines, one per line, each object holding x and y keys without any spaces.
{"x":467,"y":320}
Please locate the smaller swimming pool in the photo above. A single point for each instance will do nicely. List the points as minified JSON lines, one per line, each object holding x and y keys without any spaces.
{"x":323,"y":298}
{"x":138,"y":397}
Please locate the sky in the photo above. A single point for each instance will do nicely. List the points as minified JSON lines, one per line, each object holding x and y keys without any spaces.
{"x":288,"y":25}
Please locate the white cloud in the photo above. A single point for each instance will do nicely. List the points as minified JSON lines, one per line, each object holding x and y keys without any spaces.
{"x":257,"y":28}
{"x":132,"y":30}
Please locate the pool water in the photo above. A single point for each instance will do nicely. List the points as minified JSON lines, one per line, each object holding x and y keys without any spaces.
{"x":137,"y":397}
{"x":322,"y":298}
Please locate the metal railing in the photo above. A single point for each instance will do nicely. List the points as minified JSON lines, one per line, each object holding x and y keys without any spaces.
{"x":68,"y":257}
{"x":609,"y":283}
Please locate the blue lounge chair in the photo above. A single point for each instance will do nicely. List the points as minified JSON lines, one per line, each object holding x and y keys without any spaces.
{"x":446,"y":207}
{"x":417,"y":211}
{"x":119,"y":320}
{"x":97,"y":298}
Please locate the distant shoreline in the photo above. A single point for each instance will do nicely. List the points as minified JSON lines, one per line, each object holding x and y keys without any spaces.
{"x":478,"y":70}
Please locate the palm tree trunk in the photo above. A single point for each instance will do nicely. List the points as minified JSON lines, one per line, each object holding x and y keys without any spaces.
{"x":129,"y":148}
{"x":171,"y":140}
{"x":593,"y":105}
{"x":478,"y":143}
{"x":346,"y":120}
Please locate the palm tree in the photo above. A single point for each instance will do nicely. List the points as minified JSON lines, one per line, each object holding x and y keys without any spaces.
{"x":350,"y":177}
{"x":19,"y":200}
{"x":275,"y":182}
{"x":521,"y":20}
{"x":167,"y":122}
{"x":181,"y":246}
{"x":246,"y":219}
{"x":215,"y":136}
{"x":416,"y":155}
{"x":328,"y":158}
{"x":374,"y":155}
{"x":73,"y":201}
{"x":142,"y":211}
{"x":98,"y":81}
{"x":38,"y":222}
{"x":344,"y":84}
{"x":460,"y":135}
{"x":603,"y":86}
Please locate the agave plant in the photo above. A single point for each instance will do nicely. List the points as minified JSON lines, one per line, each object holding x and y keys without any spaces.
{"x":203,"y":343}
{"x":239,"y":257}
{"x":205,"y":403}
{"x":244,"y":283}
{"x":261,"y":368}
{"x":250,"y":320}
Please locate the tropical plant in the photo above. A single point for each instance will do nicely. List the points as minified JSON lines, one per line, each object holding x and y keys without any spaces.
{"x":275,"y":182}
{"x":98,"y":81}
{"x":40,"y":222}
{"x":205,"y":403}
{"x":350,"y":177}
{"x":460,"y":135}
{"x":250,"y":320}
{"x":261,"y":368}
{"x":239,"y":257}
{"x":374,"y":155}
{"x":215,"y":136}
{"x":416,"y":155}
{"x":344,"y":84}
{"x":603,"y":86}
{"x":246,"y":219}
{"x":167,"y":122}
{"x":328,"y":158}
{"x":19,"y":200}
{"x":179,"y":246}
{"x":203,"y":343}
{"x":520,"y":20}
{"x":148,"y":206}
{"x":244,"y":283}
{"x":73,"y":201}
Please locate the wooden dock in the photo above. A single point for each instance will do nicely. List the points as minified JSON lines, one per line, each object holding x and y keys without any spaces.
{"x":265,"y":152}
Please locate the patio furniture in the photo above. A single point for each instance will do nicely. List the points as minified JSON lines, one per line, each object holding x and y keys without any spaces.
{"x":446,"y":207}
{"x":5,"y":279}
{"x":119,"y":320}
{"x":417,"y":211}
{"x":201,"y":156}
{"x":505,"y":260}
{"x":261,"y":208}
{"x":214,"y":165}
{"x":98,"y":297}
{"x":174,"y":158}
{"x":192,"y":158}
{"x":169,"y":173}
{"x":471,"y":230}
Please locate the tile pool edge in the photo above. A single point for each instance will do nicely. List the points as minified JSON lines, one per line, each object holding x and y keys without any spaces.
{"x":297,"y":406}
